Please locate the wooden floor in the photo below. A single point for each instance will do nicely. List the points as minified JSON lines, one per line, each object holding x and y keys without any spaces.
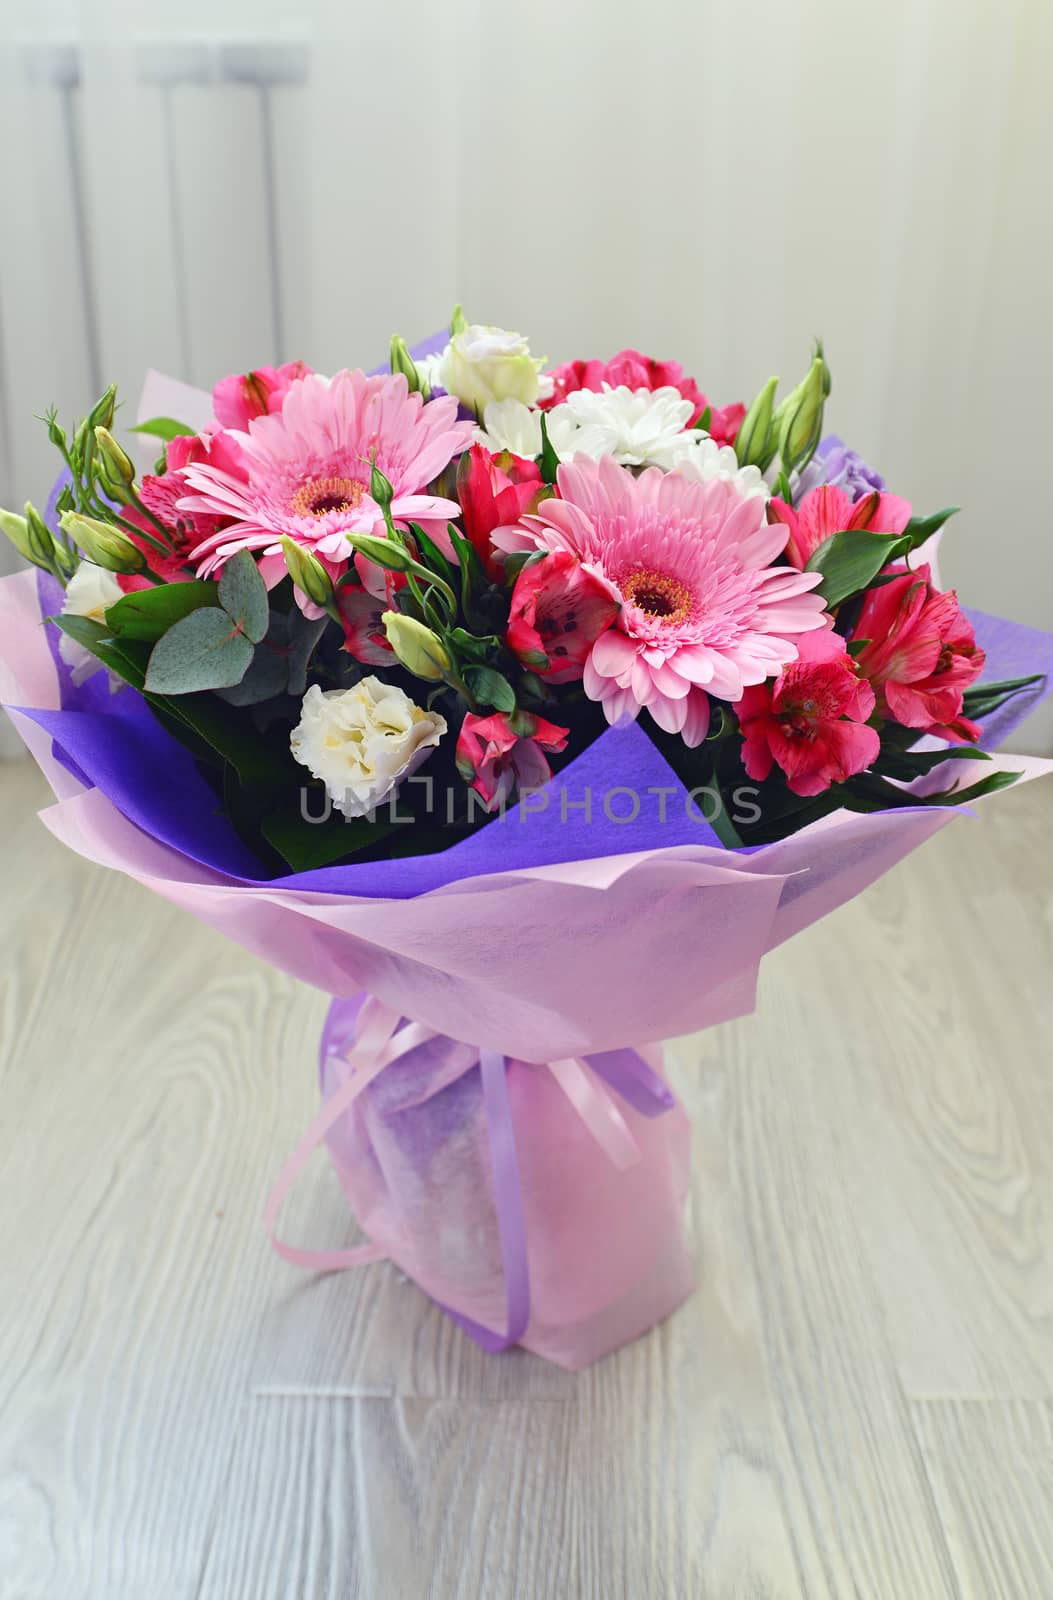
{"x":857,"y":1403}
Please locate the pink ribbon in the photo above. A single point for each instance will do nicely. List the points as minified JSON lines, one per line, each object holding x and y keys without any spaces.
{"x":381,"y":1036}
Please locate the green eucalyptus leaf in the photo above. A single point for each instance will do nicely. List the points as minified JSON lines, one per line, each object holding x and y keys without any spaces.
{"x":148,"y":613}
{"x":851,"y":560}
{"x":166,"y":428}
{"x":201,"y":651}
{"x":243,"y":596}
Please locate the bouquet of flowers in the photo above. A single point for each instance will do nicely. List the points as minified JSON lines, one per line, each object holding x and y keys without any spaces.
{"x":521,"y":711}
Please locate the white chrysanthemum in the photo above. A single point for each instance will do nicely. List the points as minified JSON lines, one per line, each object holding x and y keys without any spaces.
{"x":510,"y":425}
{"x":88,"y":594}
{"x":363,"y":742}
{"x":704,"y":460}
{"x":638,"y":427}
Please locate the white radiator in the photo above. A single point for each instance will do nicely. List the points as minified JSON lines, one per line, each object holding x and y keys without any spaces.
{"x":130,"y":186}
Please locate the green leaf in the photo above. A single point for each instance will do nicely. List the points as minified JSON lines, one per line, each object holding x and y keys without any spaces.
{"x":490,"y":688}
{"x":472,"y":646}
{"x":705,"y":420}
{"x":850,"y":560}
{"x":201,"y":651}
{"x":549,"y":458}
{"x":431,"y":554}
{"x":975,"y":791}
{"x":919,"y":529}
{"x":472,"y":576}
{"x":857,"y":646}
{"x":243,"y":596}
{"x":908,"y":764}
{"x":96,"y":638}
{"x":306,"y":845}
{"x":148,"y":613}
{"x":983,"y":698}
{"x":266,"y":678}
{"x":166,"y":428}
{"x":257,"y":759}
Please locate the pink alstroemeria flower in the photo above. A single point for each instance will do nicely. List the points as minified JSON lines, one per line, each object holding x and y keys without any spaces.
{"x":920,"y":655}
{"x":499,"y":753}
{"x":827,"y":510}
{"x":811,"y":720}
{"x":559,"y":609}
{"x":244,"y":395}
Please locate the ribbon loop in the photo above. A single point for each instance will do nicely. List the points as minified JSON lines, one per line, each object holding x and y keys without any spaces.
{"x":597,"y":1110}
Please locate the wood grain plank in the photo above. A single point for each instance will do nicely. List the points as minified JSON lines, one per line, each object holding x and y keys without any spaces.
{"x":182,"y":1414}
{"x":946,"y":1110}
{"x":991,"y":1466}
{"x":136,"y":1135}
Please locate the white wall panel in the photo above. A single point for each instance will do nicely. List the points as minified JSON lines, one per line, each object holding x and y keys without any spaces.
{"x":712,"y":181}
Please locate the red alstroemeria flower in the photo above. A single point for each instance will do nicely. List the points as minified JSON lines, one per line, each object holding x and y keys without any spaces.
{"x":244,"y":395}
{"x":559,"y":609}
{"x":811,"y":720}
{"x":160,"y":494}
{"x":828,"y":510}
{"x":636,"y":371}
{"x":498,"y":753}
{"x":920,"y":655}
{"x":364,"y":636}
{"x":494,"y":491}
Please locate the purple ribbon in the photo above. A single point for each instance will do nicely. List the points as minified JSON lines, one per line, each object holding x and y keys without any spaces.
{"x":624,"y":1071}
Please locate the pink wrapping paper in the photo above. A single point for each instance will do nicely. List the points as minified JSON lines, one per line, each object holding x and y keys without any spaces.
{"x":604,"y":1239}
{"x":537,"y":963}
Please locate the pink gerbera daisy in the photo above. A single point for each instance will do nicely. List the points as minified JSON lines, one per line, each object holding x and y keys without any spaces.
{"x":305,"y":470}
{"x":702,"y":610}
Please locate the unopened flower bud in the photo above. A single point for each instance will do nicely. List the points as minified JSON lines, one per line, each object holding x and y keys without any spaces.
{"x":799,"y":420}
{"x":420,"y":650}
{"x":307,"y":572}
{"x":755,"y":440}
{"x":401,"y":361}
{"x":102,"y":543}
{"x":380,"y":488}
{"x":17,"y":530}
{"x":115,"y":467}
{"x":458,"y":321}
{"x":44,"y":551}
{"x":385,"y":552}
{"x":101,"y":413}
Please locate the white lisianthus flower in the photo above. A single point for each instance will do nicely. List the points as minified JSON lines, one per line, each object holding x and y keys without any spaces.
{"x":481,"y":364}
{"x":638,"y":427}
{"x":703,"y":459}
{"x":88,"y":594}
{"x":363,"y":742}
{"x":510,"y":425}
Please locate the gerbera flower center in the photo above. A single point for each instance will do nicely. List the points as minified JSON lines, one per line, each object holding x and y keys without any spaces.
{"x":318,"y":496}
{"x":658,"y":595}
